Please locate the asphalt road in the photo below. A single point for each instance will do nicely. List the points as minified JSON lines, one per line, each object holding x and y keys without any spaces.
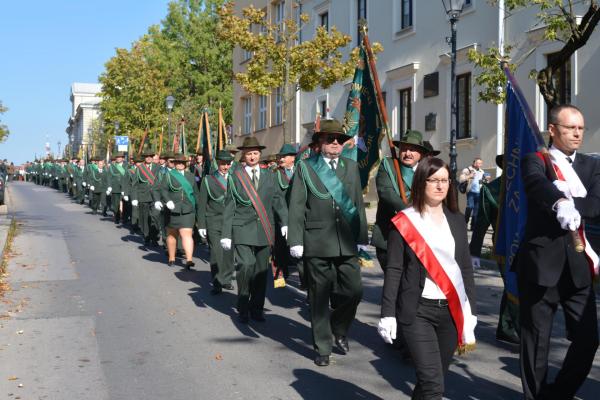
{"x":94,"y":315}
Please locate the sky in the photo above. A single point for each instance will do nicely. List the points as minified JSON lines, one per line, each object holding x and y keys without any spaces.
{"x":48,"y":45}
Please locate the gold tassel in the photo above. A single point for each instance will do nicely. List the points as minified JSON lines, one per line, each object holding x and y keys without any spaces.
{"x":279,"y":283}
{"x":365,"y":260}
{"x":466,"y":348}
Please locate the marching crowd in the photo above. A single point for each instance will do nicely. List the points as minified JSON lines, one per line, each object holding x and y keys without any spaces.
{"x":308,"y":211}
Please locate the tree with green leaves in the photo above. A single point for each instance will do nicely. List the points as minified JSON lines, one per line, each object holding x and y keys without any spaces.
{"x":4,"y":132}
{"x":133,"y":93}
{"x":279,"y":59}
{"x":196,"y":64}
{"x":560,"y":22}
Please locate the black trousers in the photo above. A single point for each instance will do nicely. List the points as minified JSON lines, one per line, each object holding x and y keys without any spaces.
{"x":431,"y":340}
{"x":334,"y":281}
{"x":538,"y":306}
{"x":382,"y":257}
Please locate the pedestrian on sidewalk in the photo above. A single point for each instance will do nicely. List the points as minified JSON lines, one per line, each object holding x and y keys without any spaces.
{"x":429,"y":290}
{"x":470,"y":181}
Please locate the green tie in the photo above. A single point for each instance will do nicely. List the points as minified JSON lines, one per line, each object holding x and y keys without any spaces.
{"x":254,"y":179}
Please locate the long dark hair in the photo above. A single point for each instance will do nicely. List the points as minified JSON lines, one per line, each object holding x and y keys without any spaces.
{"x":427,"y":167}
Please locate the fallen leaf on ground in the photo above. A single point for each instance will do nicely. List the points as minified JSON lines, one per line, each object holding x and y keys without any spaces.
{"x":20,"y":385}
{"x":218,"y":357}
{"x":20,"y":332}
{"x":12,"y":378}
{"x":172,"y":312}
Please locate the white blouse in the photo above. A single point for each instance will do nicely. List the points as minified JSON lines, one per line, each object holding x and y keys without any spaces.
{"x":440,"y":239}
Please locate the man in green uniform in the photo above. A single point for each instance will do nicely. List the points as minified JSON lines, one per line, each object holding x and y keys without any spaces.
{"x":390,"y":202}
{"x":211,"y":206}
{"x":327,"y":225}
{"x":128,"y":194}
{"x":251,"y":201}
{"x":508,"y":323}
{"x":115,"y":175}
{"x":97,"y":184}
{"x":145,"y":179}
{"x":284,"y":173}
{"x":78,"y":173}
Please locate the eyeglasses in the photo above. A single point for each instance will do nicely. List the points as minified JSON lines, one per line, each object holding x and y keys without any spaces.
{"x":436,"y":182}
{"x":332,"y":137}
{"x":572,"y":128}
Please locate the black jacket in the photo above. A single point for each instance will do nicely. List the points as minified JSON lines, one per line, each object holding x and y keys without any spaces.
{"x":547,"y":248}
{"x":405,"y":275}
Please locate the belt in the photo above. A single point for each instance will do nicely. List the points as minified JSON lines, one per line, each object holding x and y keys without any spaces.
{"x":434,"y":302}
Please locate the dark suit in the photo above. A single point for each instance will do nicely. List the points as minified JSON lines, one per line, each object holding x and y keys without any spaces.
{"x":211,"y":208}
{"x":252,"y":247}
{"x":330,"y":250}
{"x":428,"y":330}
{"x":550,"y":272}
{"x":142,"y":190}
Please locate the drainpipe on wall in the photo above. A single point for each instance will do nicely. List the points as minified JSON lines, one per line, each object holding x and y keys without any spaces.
{"x":500,"y":107}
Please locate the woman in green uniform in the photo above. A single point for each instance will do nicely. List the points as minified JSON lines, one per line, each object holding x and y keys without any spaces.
{"x":179,"y":193}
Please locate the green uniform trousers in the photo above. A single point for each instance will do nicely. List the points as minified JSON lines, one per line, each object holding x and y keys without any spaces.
{"x":252,"y":265}
{"x":221,"y":261}
{"x":337,"y":281}
{"x":148,"y":220}
{"x":115,"y":199}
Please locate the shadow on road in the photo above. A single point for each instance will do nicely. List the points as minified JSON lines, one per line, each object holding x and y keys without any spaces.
{"x":314,"y":385}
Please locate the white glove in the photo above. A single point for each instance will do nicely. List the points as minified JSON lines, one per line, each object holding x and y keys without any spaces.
{"x":92,"y":188}
{"x":297,"y":251}
{"x":122,"y":193}
{"x":158,"y":205}
{"x":134,"y":203}
{"x":362,"y":247}
{"x":387,"y":329}
{"x":563,"y":186}
{"x":71,"y":175}
{"x":226,"y":244}
{"x":202,"y":233}
{"x":476,"y":262}
{"x":197,"y":178}
{"x":469,"y":329}
{"x":108,"y":190}
{"x":567,"y":215}
{"x":170,"y":205}
{"x":284,"y":232}
{"x":74,"y":185}
{"x":83,"y":184}
{"x":126,"y":198}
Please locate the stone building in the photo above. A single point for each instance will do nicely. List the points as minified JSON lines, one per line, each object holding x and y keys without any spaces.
{"x":85,"y":112}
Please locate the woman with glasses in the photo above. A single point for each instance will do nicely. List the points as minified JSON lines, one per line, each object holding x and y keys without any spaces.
{"x":429,"y":291}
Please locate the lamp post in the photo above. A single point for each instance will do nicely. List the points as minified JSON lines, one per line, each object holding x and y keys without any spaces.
{"x":170,"y":101}
{"x":453,"y":9}
{"x":59,"y":154}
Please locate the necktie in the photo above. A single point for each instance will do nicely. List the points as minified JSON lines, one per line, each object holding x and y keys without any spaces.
{"x":569,"y":160}
{"x":332,"y":163}
{"x":254,"y":179}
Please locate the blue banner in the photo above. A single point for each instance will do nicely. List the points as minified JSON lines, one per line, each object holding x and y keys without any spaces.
{"x":520,"y":136}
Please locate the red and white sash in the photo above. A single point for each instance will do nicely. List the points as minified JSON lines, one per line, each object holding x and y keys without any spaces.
{"x":566,"y":172}
{"x":443,"y":270}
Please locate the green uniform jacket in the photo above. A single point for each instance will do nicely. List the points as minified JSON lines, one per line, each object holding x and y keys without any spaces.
{"x":115,"y":179}
{"x":97,"y":179}
{"x":127,"y":182}
{"x":390,"y":203}
{"x":241,"y":221}
{"x":171,"y":190}
{"x":318,"y":224}
{"x":142,"y":189}
{"x":212,"y":203}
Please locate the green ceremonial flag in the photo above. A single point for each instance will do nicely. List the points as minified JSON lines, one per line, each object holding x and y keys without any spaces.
{"x":362,"y":120}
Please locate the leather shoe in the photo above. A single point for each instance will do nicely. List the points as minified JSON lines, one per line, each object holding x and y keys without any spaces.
{"x":258,"y":316}
{"x":170,"y":263}
{"x":228,"y":286}
{"x":342,"y":343}
{"x":243,"y":318}
{"x":189,"y":264}
{"x":216,"y":290}
{"x":322,"y":361}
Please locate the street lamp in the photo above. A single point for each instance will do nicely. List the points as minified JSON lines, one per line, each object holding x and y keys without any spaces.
{"x":59,"y":154}
{"x":170,"y":100}
{"x":453,"y":9}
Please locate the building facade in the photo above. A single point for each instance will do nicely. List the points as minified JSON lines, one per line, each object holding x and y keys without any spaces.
{"x":414,"y":72}
{"x":85,"y":113}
